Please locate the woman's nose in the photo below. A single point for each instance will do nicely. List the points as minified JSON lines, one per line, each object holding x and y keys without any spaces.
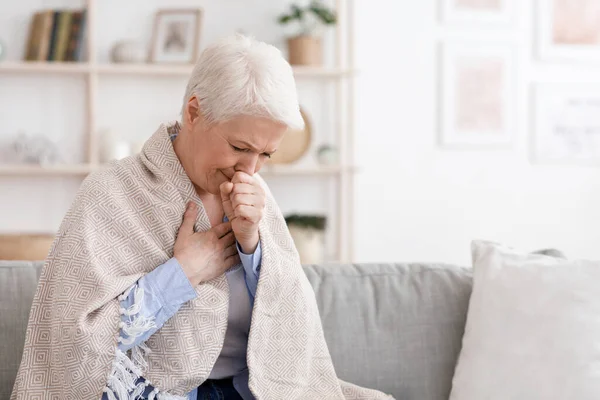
{"x":247,"y":164}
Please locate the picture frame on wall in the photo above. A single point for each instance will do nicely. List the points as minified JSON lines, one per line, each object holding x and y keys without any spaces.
{"x":492,"y":12}
{"x":568,"y":30}
{"x":566,"y":124}
{"x":477,"y":83}
{"x":176,"y":36}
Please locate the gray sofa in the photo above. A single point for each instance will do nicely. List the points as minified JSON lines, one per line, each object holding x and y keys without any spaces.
{"x":394,"y":327}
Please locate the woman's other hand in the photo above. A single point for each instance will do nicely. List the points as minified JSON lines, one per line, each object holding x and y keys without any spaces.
{"x":244,"y":203}
{"x":204,"y":255}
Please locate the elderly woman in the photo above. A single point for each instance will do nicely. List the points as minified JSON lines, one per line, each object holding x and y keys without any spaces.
{"x":173,"y":275}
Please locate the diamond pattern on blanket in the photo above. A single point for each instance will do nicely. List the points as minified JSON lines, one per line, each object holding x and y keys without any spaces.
{"x":122,"y":224}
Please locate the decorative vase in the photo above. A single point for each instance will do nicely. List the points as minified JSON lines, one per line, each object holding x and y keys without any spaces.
{"x":327,"y":155}
{"x":309,"y":242}
{"x":305,"y":50}
{"x":113,"y":148}
{"x":127,"y":51}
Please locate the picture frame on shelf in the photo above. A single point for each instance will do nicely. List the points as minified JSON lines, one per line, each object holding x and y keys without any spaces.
{"x":568,"y":30}
{"x":566,"y":124}
{"x":176,"y":36}
{"x":488,"y":12}
{"x":477,"y":101}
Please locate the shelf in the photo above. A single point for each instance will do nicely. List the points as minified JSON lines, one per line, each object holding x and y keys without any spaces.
{"x":284,"y":170}
{"x":37,"y":170}
{"x":146,"y":69}
{"x":186,"y":70}
{"x":318,"y":72}
{"x":84,"y":169}
{"x":45,"y":67}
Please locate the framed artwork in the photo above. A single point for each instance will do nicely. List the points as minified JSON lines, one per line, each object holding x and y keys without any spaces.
{"x":176,"y":36}
{"x":566,"y":123}
{"x":569,"y":30}
{"x":477,"y":95}
{"x":478,"y":11}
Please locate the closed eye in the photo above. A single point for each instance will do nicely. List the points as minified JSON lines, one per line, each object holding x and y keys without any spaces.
{"x":239,"y":149}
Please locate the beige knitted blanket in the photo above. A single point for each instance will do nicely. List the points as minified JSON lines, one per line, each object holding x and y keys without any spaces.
{"x":123,"y":224}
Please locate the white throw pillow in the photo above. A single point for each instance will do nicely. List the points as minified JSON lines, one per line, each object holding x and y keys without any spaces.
{"x":533,"y":328}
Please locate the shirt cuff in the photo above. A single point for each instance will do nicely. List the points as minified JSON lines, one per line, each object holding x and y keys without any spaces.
{"x":251,"y":262}
{"x":171,"y":284}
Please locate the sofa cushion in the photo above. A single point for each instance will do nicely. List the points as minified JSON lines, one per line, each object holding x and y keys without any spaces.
{"x":18,"y":281}
{"x":533,"y":322}
{"x":394,"y":327}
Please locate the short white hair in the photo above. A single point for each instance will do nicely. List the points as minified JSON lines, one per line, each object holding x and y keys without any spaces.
{"x":237,"y":76}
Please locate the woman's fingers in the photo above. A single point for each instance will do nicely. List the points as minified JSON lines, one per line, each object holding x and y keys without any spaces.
{"x":243,"y":188}
{"x":242,"y":177}
{"x":227,"y":240}
{"x":230,"y":250}
{"x":250,"y":213}
{"x":222,"y":229}
{"x":189,"y":219}
{"x":232,"y":260}
{"x":242,"y":198}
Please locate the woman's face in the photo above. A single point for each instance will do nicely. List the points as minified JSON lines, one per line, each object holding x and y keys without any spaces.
{"x":212,"y":154}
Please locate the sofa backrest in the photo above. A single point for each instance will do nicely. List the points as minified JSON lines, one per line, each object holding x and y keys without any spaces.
{"x":18,"y":281}
{"x":394,"y":327}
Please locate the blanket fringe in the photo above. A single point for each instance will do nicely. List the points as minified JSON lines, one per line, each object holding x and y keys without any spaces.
{"x":158,"y":395}
{"x":138,"y":356}
{"x":138,"y":296}
{"x":139,"y":324}
{"x":123,"y":378}
{"x":168,"y":396}
{"x":126,"y":381}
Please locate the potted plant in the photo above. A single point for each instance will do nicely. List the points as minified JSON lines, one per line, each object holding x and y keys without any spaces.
{"x":305,"y":47}
{"x":308,"y":233}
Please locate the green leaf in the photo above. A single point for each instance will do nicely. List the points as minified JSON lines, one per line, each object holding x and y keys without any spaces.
{"x":325,"y":15}
{"x":297,"y":12}
{"x":318,"y":222}
{"x":284,"y":19}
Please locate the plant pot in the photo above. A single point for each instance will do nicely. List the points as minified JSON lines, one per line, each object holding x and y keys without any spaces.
{"x":309,"y":242}
{"x":305,"y":50}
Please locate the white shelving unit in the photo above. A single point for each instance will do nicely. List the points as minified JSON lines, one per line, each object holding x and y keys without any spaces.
{"x":84,"y":169}
{"x":147,"y":69}
{"x":342,"y":74}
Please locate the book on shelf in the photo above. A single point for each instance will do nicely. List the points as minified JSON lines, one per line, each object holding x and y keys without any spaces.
{"x":56,"y":35}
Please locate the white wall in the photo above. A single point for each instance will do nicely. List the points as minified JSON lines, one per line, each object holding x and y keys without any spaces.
{"x":417,"y":202}
{"x":414,"y":201}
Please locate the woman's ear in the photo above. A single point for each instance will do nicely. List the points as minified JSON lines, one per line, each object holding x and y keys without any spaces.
{"x":192,"y":111}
